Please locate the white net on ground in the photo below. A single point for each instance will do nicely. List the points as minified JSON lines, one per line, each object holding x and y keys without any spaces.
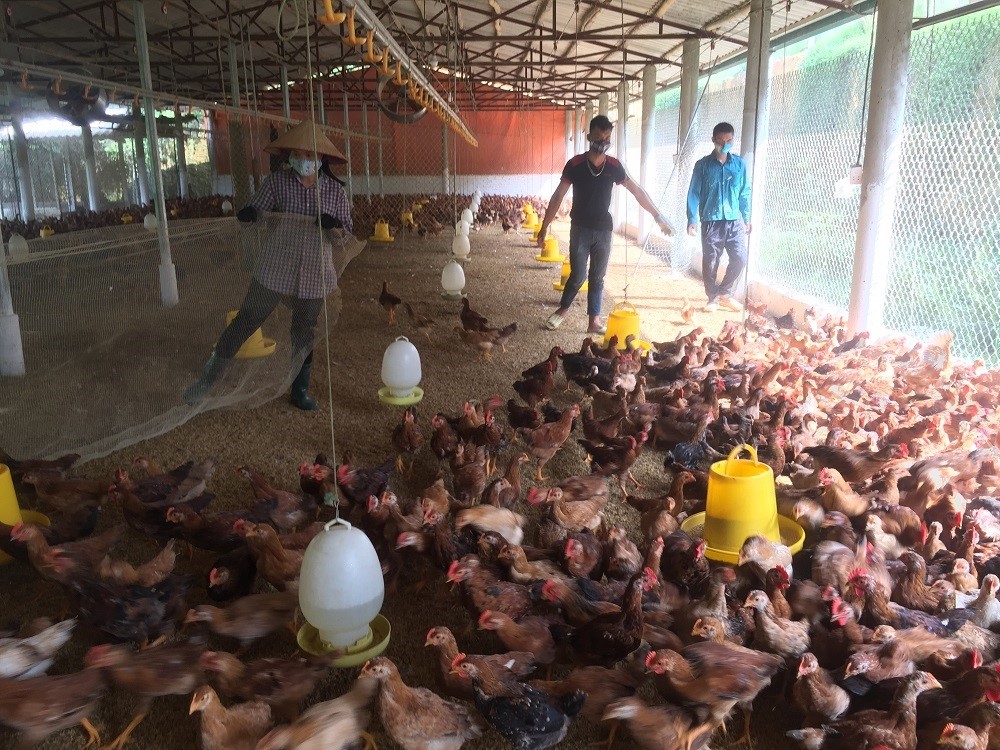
{"x":106,"y":362}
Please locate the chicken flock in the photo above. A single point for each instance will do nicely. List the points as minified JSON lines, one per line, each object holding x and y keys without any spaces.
{"x":883,"y":634}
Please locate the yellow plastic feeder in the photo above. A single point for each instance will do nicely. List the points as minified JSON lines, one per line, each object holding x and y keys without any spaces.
{"x":255,"y":346}
{"x":382,"y":233}
{"x":564,"y":277}
{"x":741,"y":503}
{"x":550,"y":253}
{"x":624,"y":322}
{"x":46,"y":232}
{"x":533,"y":224}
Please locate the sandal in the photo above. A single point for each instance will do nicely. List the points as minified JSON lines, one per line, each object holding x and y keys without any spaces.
{"x":555,"y":320}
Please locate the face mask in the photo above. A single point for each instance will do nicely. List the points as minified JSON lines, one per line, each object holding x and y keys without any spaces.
{"x":600,"y":147}
{"x":725,"y":148}
{"x":303,"y":167}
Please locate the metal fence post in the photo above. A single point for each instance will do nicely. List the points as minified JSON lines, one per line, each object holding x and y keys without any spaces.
{"x":647,"y":143}
{"x":142,"y":174}
{"x":182,"y":175}
{"x":690,"y":65}
{"x":23,"y":173}
{"x":756,"y":113}
{"x":11,"y":349}
{"x":347,"y":150}
{"x":368,"y":160}
{"x":168,"y":274}
{"x":90,"y":164}
{"x":884,"y":130}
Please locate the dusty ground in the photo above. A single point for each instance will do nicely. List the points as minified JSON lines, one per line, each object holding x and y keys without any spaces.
{"x":505,"y":283}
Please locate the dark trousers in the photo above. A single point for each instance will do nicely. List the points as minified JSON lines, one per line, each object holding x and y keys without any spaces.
{"x":258,"y":305}
{"x":593,"y":247}
{"x":718,"y":237}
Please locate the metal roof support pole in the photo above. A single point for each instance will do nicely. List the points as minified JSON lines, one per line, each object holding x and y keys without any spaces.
{"x":647,"y":141}
{"x":570,"y":134}
{"x":168,"y":274}
{"x":621,"y":149}
{"x":756,"y":114}
{"x":690,"y":63}
{"x":883,"y":143}
{"x":320,"y":104}
{"x":589,"y":113}
{"x":581,"y":133}
{"x":381,"y":172}
{"x":11,"y":348}
{"x":286,"y":102}
{"x":142,"y":172}
{"x":445,"y":181}
{"x":23,"y":173}
{"x":90,"y":166}
{"x":603,"y":103}
{"x":237,"y":145}
{"x":368,"y":158}
{"x":182,"y":168}
{"x":347,"y":150}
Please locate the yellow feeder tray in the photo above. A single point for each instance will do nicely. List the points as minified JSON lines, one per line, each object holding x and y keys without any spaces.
{"x":564,"y":277}
{"x":382,"y":233}
{"x":367,"y":648}
{"x":255,"y":346}
{"x":10,"y":511}
{"x":550,"y":253}
{"x":624,"y":322}
{"x":741,"y":503}
{"x":414,"y":398}
{"x":46,"y":231}
{"x":406,"y":217}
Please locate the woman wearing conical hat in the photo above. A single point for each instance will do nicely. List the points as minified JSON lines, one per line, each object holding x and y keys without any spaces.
{"x":295,"y":264}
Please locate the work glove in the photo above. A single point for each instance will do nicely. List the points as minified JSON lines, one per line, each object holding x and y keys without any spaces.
{"x":330,"y":222}
{"x":247,"y":214}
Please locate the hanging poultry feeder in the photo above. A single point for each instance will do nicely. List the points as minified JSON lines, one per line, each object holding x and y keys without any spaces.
{"x":460,"y":247}
{"x":17,"y":247}
{"x":340,"y":594}
{"x":624,"y":322}
{"x":453,"y":280}
{"x":227,"y":207}
{"x":401,"y":374}
{"x":550,"y":253}
{"x":46,"y":231}
{"x":406,"y":217}
{"x":255,"y":346}
{"x":149,"y":222}
{"x":564,"y":277}
{"x":741,"y":503}
{"x":467,"y":216}
{"x":382,"y":232}
{"x":10,"y":511}
{"x":462,"y":228}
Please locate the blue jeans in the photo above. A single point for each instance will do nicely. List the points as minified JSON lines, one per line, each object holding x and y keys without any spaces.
{"x":593,"y":245}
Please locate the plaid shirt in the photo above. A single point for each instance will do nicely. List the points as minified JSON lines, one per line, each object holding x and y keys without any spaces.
{"x":292,"y":251}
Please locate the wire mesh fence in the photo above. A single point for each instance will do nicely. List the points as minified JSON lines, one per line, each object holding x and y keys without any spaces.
{"x":946,"y":241}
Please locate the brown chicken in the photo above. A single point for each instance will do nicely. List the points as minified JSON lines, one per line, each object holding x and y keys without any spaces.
{"x":240,"y":727}
{"x":484,"y":592}
{"x":576,"y":504}
{"x":854,"y":465}
{"x":64,"y":495}
{"x":714,"y":675}
{"x":249,"y":618}
{"x":336,"y":724}
{"x":530,"y":634}
{"x":664,"y":726}
{"x":896,"y":728}
{"x":534,"y":389}
{"x":583,"y":555}
{"x":579,"y":610}
{"x":415,"y":717}
{"x":277,"y":565}
{"x":545,"y":441}
{"x":389,"y":302}
{"x":149,"y":574}
{"x":168,"y":669}
{"x":423,"y":323}
{"x":286,"y":510}
{"x":816,"y":694}
{"x":611,"y":637}
{"x":507,"y":666}
{"x":40,"y":706}
{"x":505,"y":492}
{"x":616,"y":458}
{"x":407,"y":438}
{"x":83,"y":554}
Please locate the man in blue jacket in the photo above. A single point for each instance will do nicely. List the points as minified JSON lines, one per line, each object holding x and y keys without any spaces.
{"x":719,"y":196}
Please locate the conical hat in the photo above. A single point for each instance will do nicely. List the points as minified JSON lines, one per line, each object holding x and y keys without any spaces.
{"x":302,"y":137}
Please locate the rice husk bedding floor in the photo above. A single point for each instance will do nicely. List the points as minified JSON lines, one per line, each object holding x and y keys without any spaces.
{"x":506,"y":284}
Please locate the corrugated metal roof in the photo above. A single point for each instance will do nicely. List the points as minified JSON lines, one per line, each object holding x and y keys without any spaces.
{"x":527,"y":47}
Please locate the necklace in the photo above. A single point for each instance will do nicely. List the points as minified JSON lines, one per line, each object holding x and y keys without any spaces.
{"x":600,"y":171}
